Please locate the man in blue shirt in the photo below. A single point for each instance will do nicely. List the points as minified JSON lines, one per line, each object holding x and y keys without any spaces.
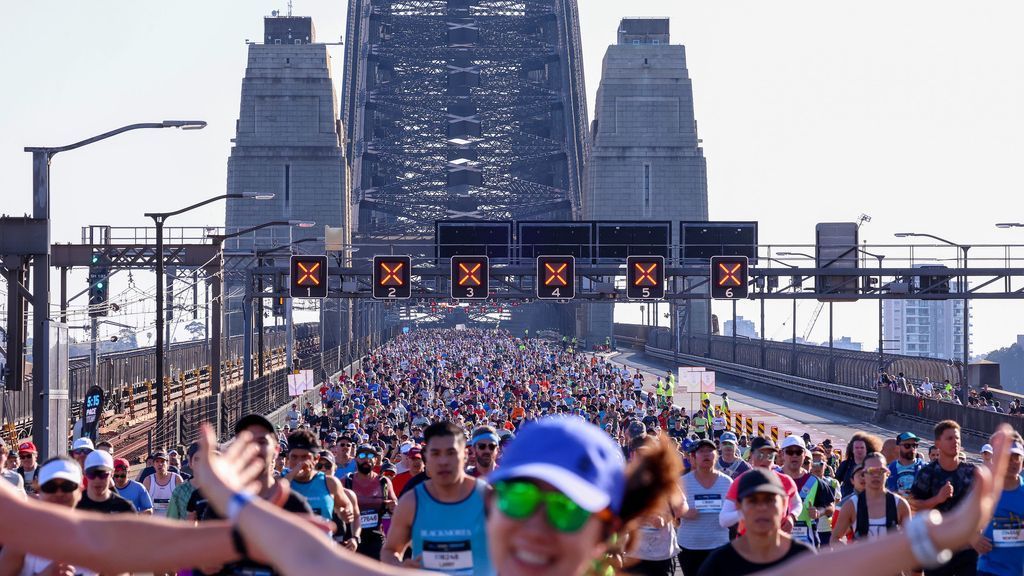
{"x":131,"y":490}
{"x":903,"y":470}
{"x":1001,"y":546}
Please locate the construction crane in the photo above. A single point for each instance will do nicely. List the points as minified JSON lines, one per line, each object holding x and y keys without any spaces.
{"x":814,"y":319}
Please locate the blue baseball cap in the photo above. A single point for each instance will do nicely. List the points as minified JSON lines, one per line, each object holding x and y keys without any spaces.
{"x":577,"y":458}
{"x":728,"y":437}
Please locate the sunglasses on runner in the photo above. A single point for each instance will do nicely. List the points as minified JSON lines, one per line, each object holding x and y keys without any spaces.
{"x":324,"y":466}
{"x":793,"y":452}
{"x":366,"y":455}
{"x":519,"y":499}
{"x":120,"y":476}
{"x":910,"y":446}
{"x":54,"y":486}
{"x":483,"y":446}
{"x":94,"y":474}
{"x":875,"y":470}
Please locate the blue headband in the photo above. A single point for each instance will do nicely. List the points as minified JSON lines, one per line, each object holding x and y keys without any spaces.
{"x":485,"y":436}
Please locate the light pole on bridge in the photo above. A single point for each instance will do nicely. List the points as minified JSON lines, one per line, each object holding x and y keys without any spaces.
{"x":965,"y":384}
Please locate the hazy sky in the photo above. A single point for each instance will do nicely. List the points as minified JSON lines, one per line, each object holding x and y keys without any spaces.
{"x":809,"y":112}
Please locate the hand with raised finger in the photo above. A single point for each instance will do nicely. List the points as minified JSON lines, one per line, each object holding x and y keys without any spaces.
{"x":224,"y":474}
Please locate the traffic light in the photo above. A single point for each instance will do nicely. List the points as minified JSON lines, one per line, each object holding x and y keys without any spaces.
{"x":556,"y":277}
{"x":99,"y":287}
{"x":308,"y":276}
{"x":470,"y":277}
{"x":277,"y":305}
{"x":645,"y":277}
{"x":392,"y":277}
{"x":729,"y":277}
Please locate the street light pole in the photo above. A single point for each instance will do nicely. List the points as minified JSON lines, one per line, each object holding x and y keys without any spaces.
{"x":218,"y":241}
{"x":966,"y":332}
{"x":159,"y":218}
{"x":50,"y":397}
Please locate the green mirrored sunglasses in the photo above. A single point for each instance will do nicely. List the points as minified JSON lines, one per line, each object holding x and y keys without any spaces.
{"x":518,"y":499}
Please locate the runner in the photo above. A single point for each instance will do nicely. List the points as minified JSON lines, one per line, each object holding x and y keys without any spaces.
{"x":763,"y":503}
{"x":59,"y":484}
{"x":161,"y":483}
{"x":98,"y":495}
{"x":131,"y":490}
{"x":444,"y":516}
{"x":903,"y":471}
{"x":80,"y":449}
{"x":823,"y":473}
{"x":1000,"y":547}
{"x":28,"y":457}
{"x":818,"y":500}
{"x":376,"y":497}
{"x":182,"y":495}
{"x":705,"y":489}
{"x":322,"y":493}
{"x":652,"y":548}
{"x":729,"y":463}
{"x":763,"y":453}
{"x":485,"y":442}
{"x":6,"y":471}
{"x":940,"y":485}
{"x":861,"y":443}
{"x":875,"y":511}
{"x":344,"y":461}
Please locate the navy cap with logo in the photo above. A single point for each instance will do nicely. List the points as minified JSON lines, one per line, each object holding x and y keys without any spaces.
{"x":759,"y":481}
{"x":760,"y":443}
{"x":302,"y":441}
{"x":254,"y":420}
{"x":701,"y":443}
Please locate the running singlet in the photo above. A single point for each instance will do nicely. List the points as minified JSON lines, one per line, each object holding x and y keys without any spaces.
{"x":901,"y":478}
{"x":1006,"y":532}
{"x":317,"y":494}
{"x":451,"y":537}
{"x":161,"y":494}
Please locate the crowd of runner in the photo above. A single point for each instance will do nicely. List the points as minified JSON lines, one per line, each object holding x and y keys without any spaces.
{"x":472,"y":452}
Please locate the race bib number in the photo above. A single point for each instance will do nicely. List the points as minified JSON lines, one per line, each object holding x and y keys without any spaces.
{"x":369,"y":519}
{"x":1007,"y":538}
{"x":707,"y":503}
{"x":448,"y":556}
{"x":802,"y":533}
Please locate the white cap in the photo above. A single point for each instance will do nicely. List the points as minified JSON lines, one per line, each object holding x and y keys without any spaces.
{"x":406,"y":446}
{"x":60,"y":469}
{"x":986,"y":448}
{"x":99,"y":459}
{"x":1017,"y":448}
{"x":82,"y":444}
{"x":793,"y":441}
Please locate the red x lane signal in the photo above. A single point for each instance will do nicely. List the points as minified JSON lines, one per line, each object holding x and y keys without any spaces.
{"x":392,"y":277}
{"x":729,"y":277}
{"x":645,"y":277}
{"x":470,"y":277}
{"x":308,"y":276}
{"x":556,"y":277}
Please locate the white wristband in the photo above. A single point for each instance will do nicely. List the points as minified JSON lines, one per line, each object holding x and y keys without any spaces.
{"x":238,"y":501}
{"x":921,"y":543}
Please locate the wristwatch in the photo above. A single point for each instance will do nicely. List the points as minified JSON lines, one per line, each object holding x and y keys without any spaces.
{"x":238,"y":501}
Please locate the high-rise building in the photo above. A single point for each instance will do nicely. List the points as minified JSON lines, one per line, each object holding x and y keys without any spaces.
{"x":288,"y":143}
{"x":929,"y":328}
{"x":645,"y":160}
{"x":744,"y":328}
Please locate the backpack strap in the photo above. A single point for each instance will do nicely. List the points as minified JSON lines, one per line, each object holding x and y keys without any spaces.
{"x":891,"y":511}
{"x":862,"y":516}
{"x":348,"y":481}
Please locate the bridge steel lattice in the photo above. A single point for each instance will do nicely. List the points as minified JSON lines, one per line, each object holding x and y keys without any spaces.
{"x":462,"y":109}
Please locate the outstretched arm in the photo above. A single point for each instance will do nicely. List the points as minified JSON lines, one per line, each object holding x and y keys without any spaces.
{"x":110,"y":543}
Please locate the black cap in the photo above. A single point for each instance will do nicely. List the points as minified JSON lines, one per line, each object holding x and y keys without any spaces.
{"x":158,"y":454}
{"x":303,"y":441}
{"x":254,"y":420}
{"x":192,"y":449}
{"x":698,"y":444}
{"x":368,"y":448}
{"x":760,"y":443}
{"x":758,"y":480}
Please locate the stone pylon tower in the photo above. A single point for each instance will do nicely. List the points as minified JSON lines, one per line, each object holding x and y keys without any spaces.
{"x":645,"y":160}
{"x":288,"y":143}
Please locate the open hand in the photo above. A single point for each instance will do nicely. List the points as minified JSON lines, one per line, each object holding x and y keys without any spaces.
{"x":225,"y":474}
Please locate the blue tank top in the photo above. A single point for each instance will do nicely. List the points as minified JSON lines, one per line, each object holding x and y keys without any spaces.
{"x":451,"y":537}
{"x":317,"y":494}
{"x":1006,"y":532}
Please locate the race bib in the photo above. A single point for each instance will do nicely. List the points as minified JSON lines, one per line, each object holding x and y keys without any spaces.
{"x":707,"y":503}
{"x":1007,"y":538}
{"x":448,"y":556}
{"x":369,"y":519}
{"x":802,"y":533}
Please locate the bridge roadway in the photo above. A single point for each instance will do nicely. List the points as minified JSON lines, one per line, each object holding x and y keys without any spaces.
{"x":796,"y":418}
